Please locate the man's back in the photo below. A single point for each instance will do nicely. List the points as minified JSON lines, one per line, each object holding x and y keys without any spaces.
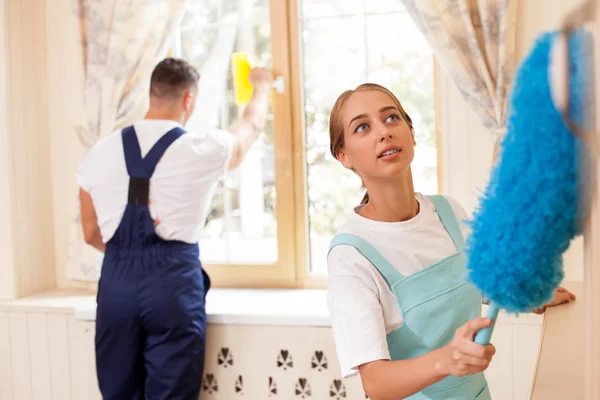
{"x":181,"y":187}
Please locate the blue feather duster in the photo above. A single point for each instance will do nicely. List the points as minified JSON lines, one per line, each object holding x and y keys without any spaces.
{"x":530,"y":210}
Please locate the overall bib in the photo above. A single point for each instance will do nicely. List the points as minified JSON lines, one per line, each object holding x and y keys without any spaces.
{"x":433,"y":302}
{"x":151,"y":320}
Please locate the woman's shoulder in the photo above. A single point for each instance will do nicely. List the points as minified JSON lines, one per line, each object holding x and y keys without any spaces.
{"x":347,"y":260}
{"x":457,"y":207}
{"x":459,"y":213}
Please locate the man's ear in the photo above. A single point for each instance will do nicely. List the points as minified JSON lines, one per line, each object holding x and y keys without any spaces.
{"x":188,"y":100}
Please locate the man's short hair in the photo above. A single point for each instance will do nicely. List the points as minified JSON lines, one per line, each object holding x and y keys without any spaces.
{"x":172,"y":77}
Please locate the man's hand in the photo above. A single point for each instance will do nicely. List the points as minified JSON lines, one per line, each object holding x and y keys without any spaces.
{"x":89,"y":222}
{"x":261,"y":78}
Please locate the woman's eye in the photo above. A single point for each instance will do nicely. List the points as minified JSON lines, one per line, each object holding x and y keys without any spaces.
{"x":392,"y":118}
{"x":361,"y":128}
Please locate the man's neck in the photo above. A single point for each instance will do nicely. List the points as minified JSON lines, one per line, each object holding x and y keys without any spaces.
{"x":164,"y":115}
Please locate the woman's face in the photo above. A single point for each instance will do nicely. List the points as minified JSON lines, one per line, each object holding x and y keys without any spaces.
{"x":378,"y":143}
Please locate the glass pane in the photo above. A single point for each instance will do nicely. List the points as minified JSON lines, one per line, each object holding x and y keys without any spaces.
{"x":241,"y":228}
{"x":383,"y":6}
{"x":331,"y":192}
{"x":214,"y":243}
{"x":379,"y":44}
{"x":253,"y":228}
{"x":331,"y":8}
{"x":333,"y":61}
{"x":407,"y":70}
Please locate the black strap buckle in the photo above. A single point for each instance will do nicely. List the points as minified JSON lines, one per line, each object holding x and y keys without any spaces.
{"x":139,"y":191}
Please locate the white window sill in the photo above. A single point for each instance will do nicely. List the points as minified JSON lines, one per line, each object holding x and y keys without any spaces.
{"x":255,"y":307}
{"x":290,"y":307}
{"x":286,"y":307}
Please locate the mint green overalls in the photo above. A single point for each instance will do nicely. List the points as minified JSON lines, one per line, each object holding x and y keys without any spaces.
{"x":433,"y":302}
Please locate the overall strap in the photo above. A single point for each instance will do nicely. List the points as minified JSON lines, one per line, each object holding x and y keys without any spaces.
{"x":140,"y":169}
{"x":159,"y":148}
{"x":133,"y":153}
{"x":449,"y":220}
{"x":385,"y":268}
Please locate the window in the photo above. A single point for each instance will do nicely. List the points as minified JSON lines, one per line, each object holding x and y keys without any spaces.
{"x":271,"y":221}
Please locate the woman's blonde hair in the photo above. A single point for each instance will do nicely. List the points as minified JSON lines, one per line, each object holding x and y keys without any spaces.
{"x":336,"y":125}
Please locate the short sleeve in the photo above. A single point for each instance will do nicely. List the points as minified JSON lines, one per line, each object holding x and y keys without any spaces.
{"x":224,"y":144}
{"x":83,"y":175}
{"x":356,"y":314}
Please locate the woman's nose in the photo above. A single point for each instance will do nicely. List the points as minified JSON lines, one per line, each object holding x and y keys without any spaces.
{"x":385,"y":134}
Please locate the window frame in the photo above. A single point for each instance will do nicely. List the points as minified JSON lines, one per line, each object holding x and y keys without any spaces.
{"x":292,"y":269}
{"x":283,"y":273}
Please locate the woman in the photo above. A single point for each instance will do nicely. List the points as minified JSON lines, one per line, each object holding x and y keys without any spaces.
{"x":403,"y":315}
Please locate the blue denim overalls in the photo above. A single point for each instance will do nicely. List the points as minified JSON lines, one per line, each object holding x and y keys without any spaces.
{"x":151,"y":320}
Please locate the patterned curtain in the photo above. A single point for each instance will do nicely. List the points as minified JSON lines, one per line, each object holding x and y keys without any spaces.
{"x":474,"y":42}
{"x":121,"y":43}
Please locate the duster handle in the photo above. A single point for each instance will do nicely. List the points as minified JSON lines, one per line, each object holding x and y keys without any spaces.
{"x":484,"y":335}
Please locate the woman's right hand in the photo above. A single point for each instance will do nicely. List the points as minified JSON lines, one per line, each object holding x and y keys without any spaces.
{"x":462,"y":356}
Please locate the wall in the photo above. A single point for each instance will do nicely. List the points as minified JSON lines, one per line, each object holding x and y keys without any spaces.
{"x":39,"y":151}
{"x":592,"y":259}
{"x":48,"y":354}
{"x":25,"y":166}
{"x":65,"y":150}
{"x":7,"y":278}
{"x":467,"y":146}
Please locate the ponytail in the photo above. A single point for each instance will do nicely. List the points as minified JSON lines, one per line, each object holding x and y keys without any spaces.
{"x":365,"y":199}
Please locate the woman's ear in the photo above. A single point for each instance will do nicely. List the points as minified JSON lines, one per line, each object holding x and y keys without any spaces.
{"x":412,"y":134}
{"x":342,"y":158}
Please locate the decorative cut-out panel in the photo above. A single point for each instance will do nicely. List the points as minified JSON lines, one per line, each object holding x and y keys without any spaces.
{"x":288,"y":363}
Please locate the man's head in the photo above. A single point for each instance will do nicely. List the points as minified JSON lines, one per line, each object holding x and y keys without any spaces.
{"x":173,"y":89}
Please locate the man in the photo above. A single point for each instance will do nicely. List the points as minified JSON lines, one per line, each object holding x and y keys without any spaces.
{"x":145,"y":192}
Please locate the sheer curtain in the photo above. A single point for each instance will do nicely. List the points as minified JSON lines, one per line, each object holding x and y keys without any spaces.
{"x":474,"y":42}
{"x":121,"y":44}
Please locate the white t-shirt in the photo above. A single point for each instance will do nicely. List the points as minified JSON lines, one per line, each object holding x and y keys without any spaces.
{"x":181,"y":188}
{"x":363,"y":309}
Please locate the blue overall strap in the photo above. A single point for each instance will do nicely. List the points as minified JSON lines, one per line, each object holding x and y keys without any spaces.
{"x":133,"y":153}
{"x":385,"y":268}
{"x":159,"y":148}
{"x":140,"y":169}
{"x":449,"y":220}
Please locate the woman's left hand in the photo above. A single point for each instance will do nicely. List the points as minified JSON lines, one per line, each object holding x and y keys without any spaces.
{"x":561,"y":296}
